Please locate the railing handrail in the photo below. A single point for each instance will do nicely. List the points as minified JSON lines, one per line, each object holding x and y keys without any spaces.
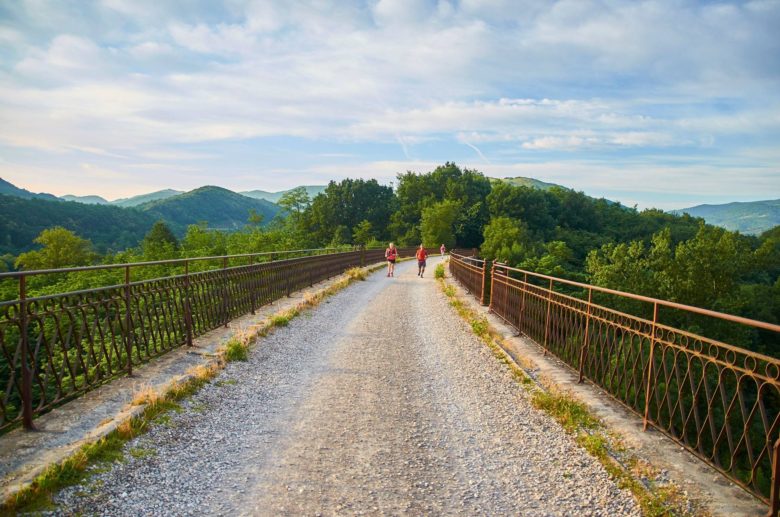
{"x":665,"y":303}
{"x":96,"y":267}
{"x":464,"y":258}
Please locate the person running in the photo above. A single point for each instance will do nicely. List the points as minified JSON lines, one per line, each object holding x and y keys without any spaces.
{"x":442,"y":250}
{"x":391,"y":254}
{"x":421,"y":256}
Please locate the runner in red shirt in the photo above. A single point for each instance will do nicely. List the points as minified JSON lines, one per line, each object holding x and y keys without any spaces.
{"x":421,"y":256}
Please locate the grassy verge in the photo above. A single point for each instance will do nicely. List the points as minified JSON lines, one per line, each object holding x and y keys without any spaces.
{"x":656,"y":497}
{"x":92,"y":457}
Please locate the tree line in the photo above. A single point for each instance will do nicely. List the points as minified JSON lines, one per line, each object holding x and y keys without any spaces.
{"x":557,"y":231}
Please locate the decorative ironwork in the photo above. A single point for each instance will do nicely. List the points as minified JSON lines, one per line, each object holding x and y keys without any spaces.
{"x":472,"y":273}
{"x":54,"y":348}
{"x":719,"y":401}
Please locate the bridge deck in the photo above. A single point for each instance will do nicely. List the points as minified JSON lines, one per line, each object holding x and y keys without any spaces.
{"x":381,"y":400}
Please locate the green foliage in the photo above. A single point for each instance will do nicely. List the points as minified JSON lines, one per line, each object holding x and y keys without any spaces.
{"x":61,"y":248}
{"x":200,"y":241}
{"x":507,"y":240}
{"x":109,"y":228}
{"x":220,"y":207}
{"x":235,"y":350}
{"x":417,"y":192}
{"x":347,"y":204}
{"x":439,"y":271}
{"x":363,"y":233}
{"x":295,"y":200}
{"x":437,"y":224}
{"x":160,"y":243}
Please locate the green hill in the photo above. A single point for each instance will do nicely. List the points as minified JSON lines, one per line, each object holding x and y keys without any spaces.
{"x":10,"y":189}
{"x":274,"y":197}
{"x":108,"y":227}
{"x":89,"y":200}
{"x":521,"y":181}
{"x":221,"y":208}
{"x":751,"y":218}
{"x":146,"y":198}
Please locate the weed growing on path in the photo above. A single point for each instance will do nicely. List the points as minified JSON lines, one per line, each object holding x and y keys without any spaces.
{"x":236,"y":350}
{"x":439,"y":271}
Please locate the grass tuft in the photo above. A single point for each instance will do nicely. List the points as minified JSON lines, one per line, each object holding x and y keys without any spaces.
{"x":439,"y":271}
{"x":235,"y":350}
{"x":357,"y":273}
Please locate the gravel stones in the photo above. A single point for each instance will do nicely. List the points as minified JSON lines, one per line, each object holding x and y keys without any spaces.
{"x":380,"y":401}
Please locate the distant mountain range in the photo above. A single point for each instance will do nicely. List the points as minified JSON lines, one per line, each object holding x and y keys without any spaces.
{"x":273,"y":197}
{"x":12,"y":190}
{"x":751,"y":218}
{"x":123,"y":223}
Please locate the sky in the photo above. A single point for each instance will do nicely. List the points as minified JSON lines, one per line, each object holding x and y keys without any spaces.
{"x":665,"y":103}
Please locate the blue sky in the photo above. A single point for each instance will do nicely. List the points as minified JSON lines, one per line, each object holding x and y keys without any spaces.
{"x":658,"y":103}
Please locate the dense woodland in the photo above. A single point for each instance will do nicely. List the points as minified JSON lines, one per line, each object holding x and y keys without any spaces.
{"x":555,"y":231}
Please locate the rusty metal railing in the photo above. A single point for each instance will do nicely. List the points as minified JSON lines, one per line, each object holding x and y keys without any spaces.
{"x":56,"y":347}
{"x":472,"y":273}
{"x":719,"y":401}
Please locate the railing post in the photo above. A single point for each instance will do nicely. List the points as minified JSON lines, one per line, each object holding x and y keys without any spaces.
{"x":522,"y":302}
{"x":492,"y":285}
{"x":482,"y":300}
{"x":252,"y":297}
{"x":547,"y":319}
{"x":27,"y":411}
{"x":225,"y":291}
{"x":774,"y":497}
{"x":128,"y":323}
{"x":650,"y":361}
{"x":187,"y":305}
{"x":584,"y":350}
{"x":362,"y":255}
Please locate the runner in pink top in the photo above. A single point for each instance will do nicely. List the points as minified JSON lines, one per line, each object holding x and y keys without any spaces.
{"x":442,"y":249}
{"x":391,"y":254}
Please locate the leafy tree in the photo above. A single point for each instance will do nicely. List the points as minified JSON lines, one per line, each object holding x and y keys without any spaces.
{"x":363,"y":233}
{"x":295,"y":201}
{"x":507,"y":240}
{"x":348,"y":203}
{"x":341,"y":236}
{"x":200,"y":241}
{"x":160,"y":243}
{"x":557,"y":260}
{"x":437,"y":225}
{"x":417,"y":192}
{"x":61,"y":248}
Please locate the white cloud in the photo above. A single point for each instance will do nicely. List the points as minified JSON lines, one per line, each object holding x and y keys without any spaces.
{"x":129,"y":80}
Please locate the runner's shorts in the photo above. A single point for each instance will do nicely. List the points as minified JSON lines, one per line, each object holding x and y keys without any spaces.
{"x":420,"y":263}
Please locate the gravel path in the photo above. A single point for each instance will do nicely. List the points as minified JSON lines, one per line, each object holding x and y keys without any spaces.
{"x":380,"y":401}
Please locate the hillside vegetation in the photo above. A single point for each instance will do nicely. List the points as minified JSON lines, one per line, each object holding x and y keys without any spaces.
{"x":109,"y":228}
{"x":9,"y":189}
{"x":751,"y":218}
{"x":146,"y":198}
{"x":221,"y":208}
